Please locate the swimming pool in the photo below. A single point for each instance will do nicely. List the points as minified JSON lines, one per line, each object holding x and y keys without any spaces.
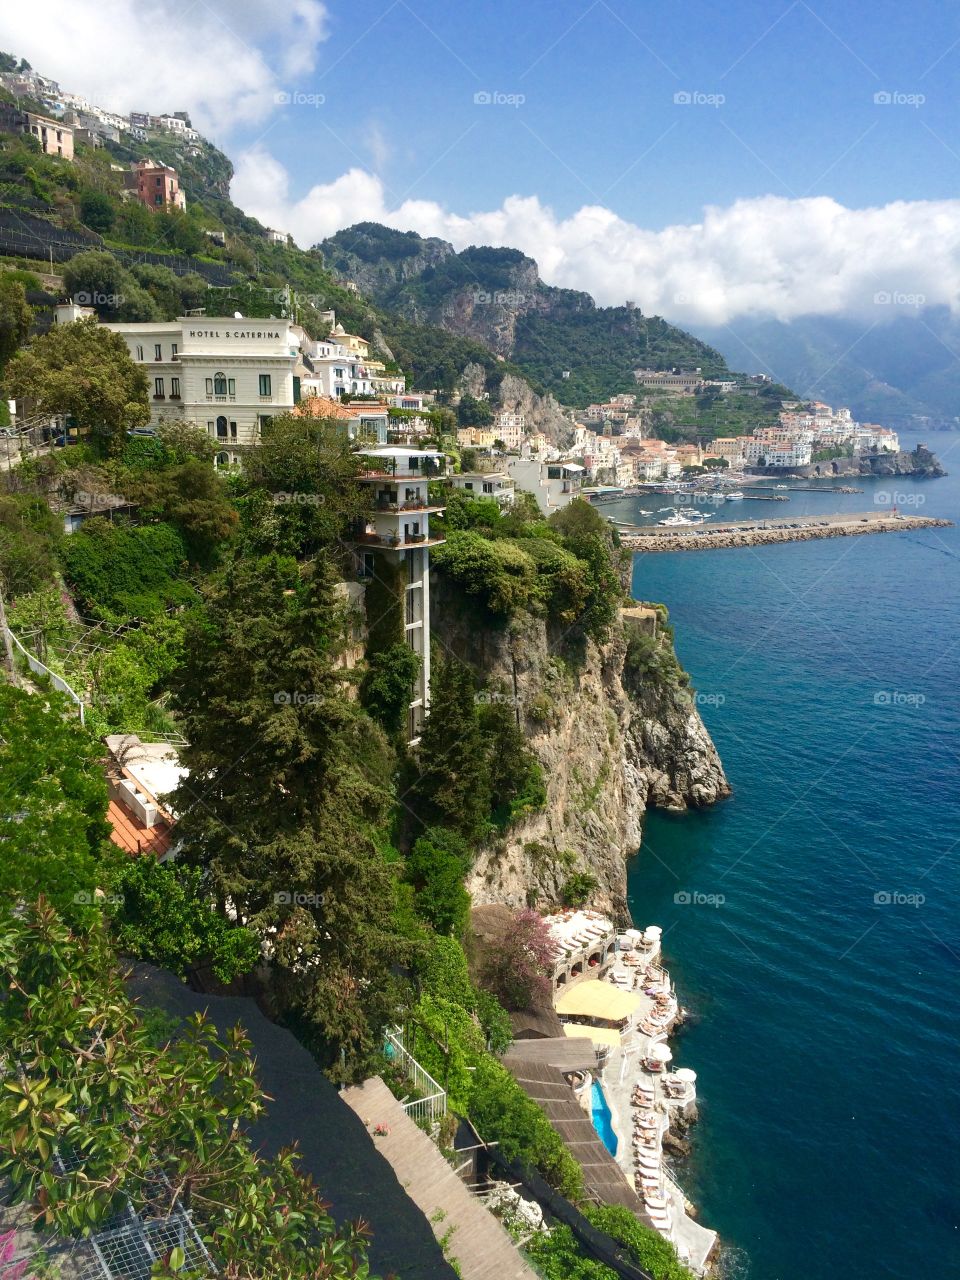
{"x":602,"y":1121}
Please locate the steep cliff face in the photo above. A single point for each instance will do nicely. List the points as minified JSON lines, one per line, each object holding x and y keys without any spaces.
{"x":611,"y":742}
{"x":540,"y":413}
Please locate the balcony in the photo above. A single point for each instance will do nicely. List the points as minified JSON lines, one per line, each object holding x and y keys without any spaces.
{"x":398,"y":507}
{"x":221,"y":399}
{"x":394,"y":542}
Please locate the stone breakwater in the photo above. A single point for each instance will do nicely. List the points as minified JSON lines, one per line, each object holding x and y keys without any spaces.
{"x":753,"y":535}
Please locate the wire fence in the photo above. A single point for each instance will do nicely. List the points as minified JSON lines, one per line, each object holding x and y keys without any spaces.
{"x":39,"y":669}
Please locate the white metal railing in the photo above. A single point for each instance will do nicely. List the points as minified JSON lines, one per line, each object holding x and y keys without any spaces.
{"x":37,"y":667}
{"x":433,"y":1106}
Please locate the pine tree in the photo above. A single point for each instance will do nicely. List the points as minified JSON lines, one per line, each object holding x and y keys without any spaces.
{"x":288,"y":787}
{"x":453,"y":784}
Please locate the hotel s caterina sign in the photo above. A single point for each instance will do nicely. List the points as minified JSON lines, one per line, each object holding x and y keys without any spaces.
{"x":228,"y":332}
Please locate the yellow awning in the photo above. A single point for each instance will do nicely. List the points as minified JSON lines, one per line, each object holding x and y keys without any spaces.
{"x":593,"y":999}
{"x":599,"y":1035}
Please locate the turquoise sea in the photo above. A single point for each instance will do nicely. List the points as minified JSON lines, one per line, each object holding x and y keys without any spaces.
{"x":812,"y":921}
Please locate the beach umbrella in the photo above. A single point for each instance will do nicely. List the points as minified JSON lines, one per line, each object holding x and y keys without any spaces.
{"x":659,"y":1053}
{"x":686,"y":1075}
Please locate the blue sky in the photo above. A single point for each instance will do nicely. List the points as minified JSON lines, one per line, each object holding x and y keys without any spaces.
{"x":784,"y":187}
{"x":599,"y":123}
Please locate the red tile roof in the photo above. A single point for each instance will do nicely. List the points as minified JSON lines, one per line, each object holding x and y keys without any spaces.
{"x":130,"y":834}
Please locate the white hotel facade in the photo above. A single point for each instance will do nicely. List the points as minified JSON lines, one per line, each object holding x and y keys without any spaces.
{"x":228,"y":375}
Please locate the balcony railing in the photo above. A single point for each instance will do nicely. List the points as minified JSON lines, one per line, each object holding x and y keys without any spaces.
{"x":433,"y":1106}
{"x":393,"y":542}
{"x":422,"y":504}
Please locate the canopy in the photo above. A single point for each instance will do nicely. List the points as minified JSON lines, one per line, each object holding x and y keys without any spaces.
{"x":652,"y":931}
{"x":659,"y":1053}
{"x":595,"y":999}
{"x":686,"y":1075}
{"x":599,"y":1035}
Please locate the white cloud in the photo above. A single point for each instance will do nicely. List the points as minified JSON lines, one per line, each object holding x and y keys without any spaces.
{"x":768,"y":255}
{"x":221,"y":60}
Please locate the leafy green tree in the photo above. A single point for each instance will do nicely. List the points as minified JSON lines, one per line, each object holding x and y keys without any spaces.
{"x":85,"y":372}
{"x":473,"y":413}
{"x":53,"y":803}
{"x":387,"y":684}
{"x":29,"y":534}
{"x":15,"y":317}
{"x":452,"y":788}
{"x":299,"y":490}
{"x":287,"y":797}
{"x":644,"y":1246}
{"x":161,"y":912}
{"x":160,"y":1121}
{"x":97,"y":210}
{"x":194,"y":500}
{"x":436,"y":866}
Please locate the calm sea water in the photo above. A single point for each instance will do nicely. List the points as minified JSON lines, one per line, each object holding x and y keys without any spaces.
{"x":812,"y":921}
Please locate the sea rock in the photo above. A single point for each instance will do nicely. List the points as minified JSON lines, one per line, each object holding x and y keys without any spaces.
{"x":674,"y":1145}
{"x":609,"y":746}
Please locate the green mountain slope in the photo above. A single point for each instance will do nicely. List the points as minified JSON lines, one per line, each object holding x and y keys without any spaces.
{"x":559,"y":337}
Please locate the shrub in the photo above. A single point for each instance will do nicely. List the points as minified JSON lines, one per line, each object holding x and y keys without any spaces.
{"x":577,"y":889}
{"x":645,"y":1246}
{"x":499,"y":573}
{"x":503,"y":1113}
{"x":119,"y":572}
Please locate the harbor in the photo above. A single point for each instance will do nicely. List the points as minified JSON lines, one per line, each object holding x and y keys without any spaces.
{"x":744,"y":533}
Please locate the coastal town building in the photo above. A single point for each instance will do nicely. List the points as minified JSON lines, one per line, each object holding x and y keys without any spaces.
{"x":157,"y":186}
{"x":231,"y":376}
{"x":672,"y":381}
{"x":393,"y":547}
{"x":483,"y":484}
{"x":553,"y":484}
{"x":55,"y":137}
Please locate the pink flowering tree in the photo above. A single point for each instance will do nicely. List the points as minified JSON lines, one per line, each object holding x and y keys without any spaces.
{"x":518,"y":969}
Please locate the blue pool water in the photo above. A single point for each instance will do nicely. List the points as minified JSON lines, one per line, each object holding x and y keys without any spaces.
{"x":811,"y":921}
{"x":600,"y":1111}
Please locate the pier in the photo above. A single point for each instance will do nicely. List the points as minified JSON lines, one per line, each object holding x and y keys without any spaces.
{"x":748,"y":533}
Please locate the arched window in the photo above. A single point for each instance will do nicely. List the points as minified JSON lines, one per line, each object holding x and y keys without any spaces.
{"x":219,"y":384}
{"x":223,"y":459}
{"x":222,"y":427}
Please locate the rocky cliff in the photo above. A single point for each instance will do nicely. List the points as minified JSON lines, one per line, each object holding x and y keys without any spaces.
{"x":616,"y":731}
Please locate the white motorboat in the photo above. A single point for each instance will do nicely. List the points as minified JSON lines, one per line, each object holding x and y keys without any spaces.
{"x":675,"y":520}
{"x":736,"y":496}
